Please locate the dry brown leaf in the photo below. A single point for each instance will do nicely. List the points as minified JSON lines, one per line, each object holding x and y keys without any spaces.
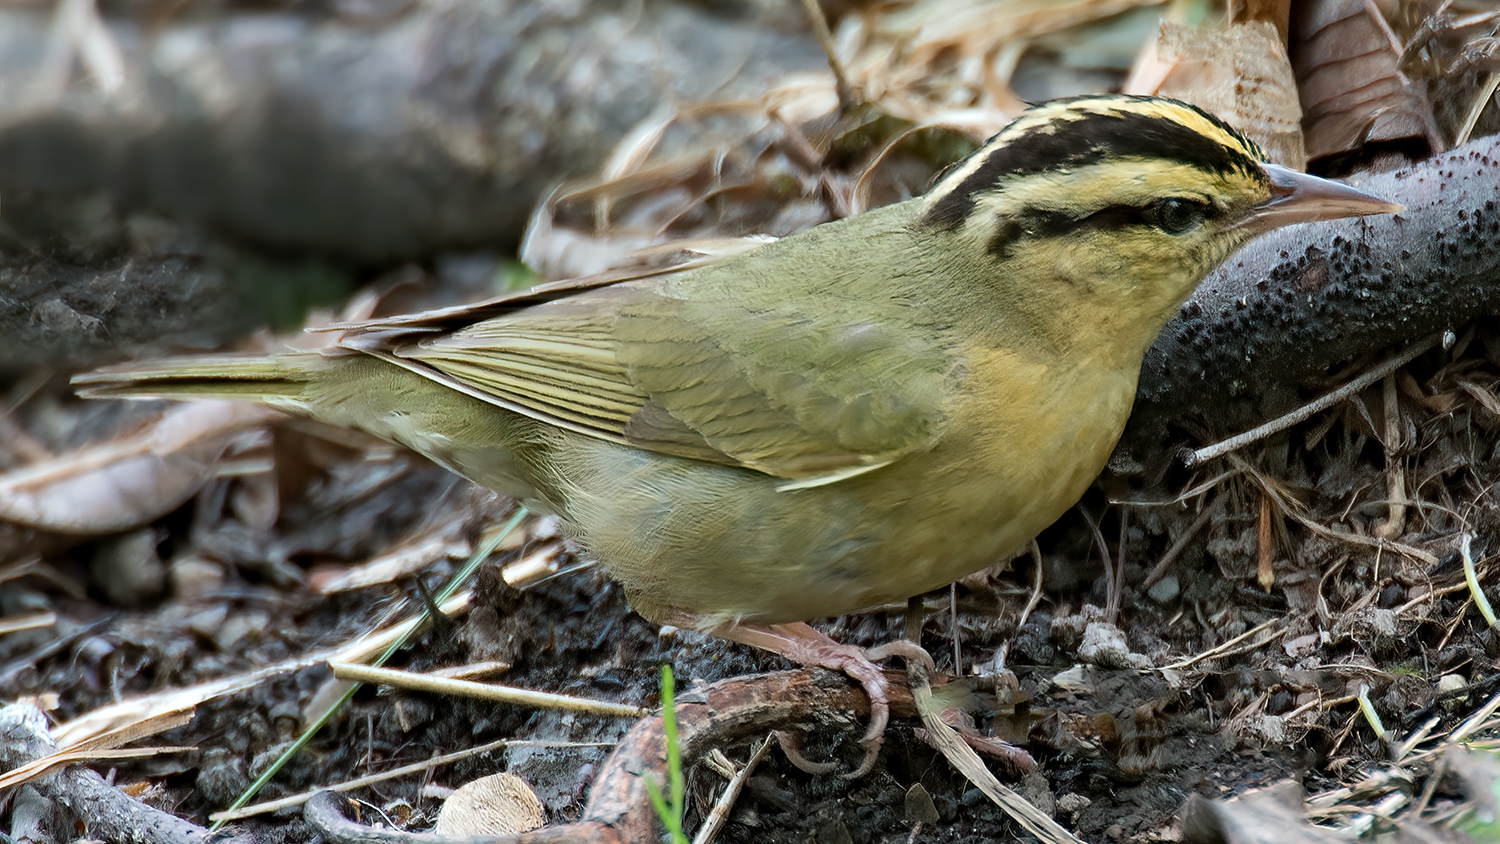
{"x":1357,"y":103}
{"x":1240,"y":73}
{"x":123,"y":484}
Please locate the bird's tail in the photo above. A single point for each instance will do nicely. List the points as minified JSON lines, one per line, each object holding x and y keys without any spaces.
{"x":279,"y":380}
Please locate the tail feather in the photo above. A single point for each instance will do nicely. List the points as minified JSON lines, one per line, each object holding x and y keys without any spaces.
{"x":281,"y":381}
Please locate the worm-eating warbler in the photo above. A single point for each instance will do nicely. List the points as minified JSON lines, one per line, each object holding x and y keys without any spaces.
{"x":853,"y":415}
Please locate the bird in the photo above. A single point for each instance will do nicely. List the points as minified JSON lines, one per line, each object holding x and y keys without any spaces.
{"x":848,"y":416}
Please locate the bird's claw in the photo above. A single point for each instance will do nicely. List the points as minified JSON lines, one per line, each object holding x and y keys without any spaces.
{"x":803,"y":644}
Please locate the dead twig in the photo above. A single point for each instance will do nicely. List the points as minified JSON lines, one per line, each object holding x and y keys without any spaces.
{"x":1159,"y":570}
{"x":948,"y":742}
{"x":1312,"y":408}
{"x":1224,"y":648}
{"x":825,"y":40}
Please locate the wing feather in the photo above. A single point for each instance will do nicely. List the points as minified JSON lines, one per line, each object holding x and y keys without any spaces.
{"x":708,"y":366}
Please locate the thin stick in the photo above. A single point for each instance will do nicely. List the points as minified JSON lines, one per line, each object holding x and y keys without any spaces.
{"x":17,"y":623}
{"x":1312,"y":408}
{"x":1117,"y":585}
{"x":485,"y":691}
{"x":825,"y":38}
{"x":1491,"y":82}
{"x":1418,"y":736}
{"x":1215,"y":651}
{"x":914,"y":618}
{"x":1160,"y":569}
{"x":1395,"y":469}
{"x":958,"y":665}
{"x":1472,"y":724}
{"x":454,"y":583}
{"x":1109,"y":565}
{"x":404,"y":770}
{"x":719,"y":815}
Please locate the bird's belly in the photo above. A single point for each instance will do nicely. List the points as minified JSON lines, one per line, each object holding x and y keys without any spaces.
{"x":725,"y":545}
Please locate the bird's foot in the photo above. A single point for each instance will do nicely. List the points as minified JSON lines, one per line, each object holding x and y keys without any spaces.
{"x":801,"y":643}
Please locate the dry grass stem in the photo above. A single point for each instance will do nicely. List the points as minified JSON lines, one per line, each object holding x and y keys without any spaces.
{"x":412,"y":556}
{"x":533,"y":568}
{"x":719,"y":814}
{"x":1265,"y":537}
{"x":32,"y":621}
{"x":1223,"y":648}
{"x":958,"y":665}
{"x":486,"y":691}
{"x":1182,"y":543}
{"x":967,"y":761}
{"x":1395,"y":470}
{"x":1419,"y":735}
{"x":1471,"y":580}
{"x":1111,"y":577}
{"x":1475,"y":722}
{"x":1035,"y":598}
{"x":1486,"y":94}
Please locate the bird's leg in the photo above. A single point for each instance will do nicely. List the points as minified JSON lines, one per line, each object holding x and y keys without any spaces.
{"x":801,"y":643}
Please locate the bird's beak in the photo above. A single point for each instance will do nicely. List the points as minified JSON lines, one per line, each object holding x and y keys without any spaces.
{"x":1300,"y":198}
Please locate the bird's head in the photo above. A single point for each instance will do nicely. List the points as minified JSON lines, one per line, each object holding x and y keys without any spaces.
{"x":1126,"y":202}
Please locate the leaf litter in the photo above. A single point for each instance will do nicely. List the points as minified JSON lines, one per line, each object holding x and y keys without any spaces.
{"x":1298,"y":590}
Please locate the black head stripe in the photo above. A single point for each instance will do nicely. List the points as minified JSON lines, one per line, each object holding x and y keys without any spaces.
{"x":1089,"y":139}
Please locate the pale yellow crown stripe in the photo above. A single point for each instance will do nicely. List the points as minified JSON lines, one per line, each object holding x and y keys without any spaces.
{"x":1055,"y":114}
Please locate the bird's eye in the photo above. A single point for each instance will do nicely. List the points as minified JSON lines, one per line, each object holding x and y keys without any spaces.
{"x":1175,"y":215}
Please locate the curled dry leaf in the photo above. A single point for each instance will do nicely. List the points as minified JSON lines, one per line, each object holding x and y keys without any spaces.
{"x":123,"y":484}
{"x":1240,"y":73}
{"x":1354,"y":95}
{"x":500,"y":804}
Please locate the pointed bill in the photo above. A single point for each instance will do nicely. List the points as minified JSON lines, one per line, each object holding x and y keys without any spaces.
{"x":1301,"y":198}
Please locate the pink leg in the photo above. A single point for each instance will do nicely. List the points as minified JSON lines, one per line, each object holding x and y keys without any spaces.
{"x":802,"y":644}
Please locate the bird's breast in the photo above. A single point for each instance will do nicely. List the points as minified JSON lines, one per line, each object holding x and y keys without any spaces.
{"x":1025,"y":442}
